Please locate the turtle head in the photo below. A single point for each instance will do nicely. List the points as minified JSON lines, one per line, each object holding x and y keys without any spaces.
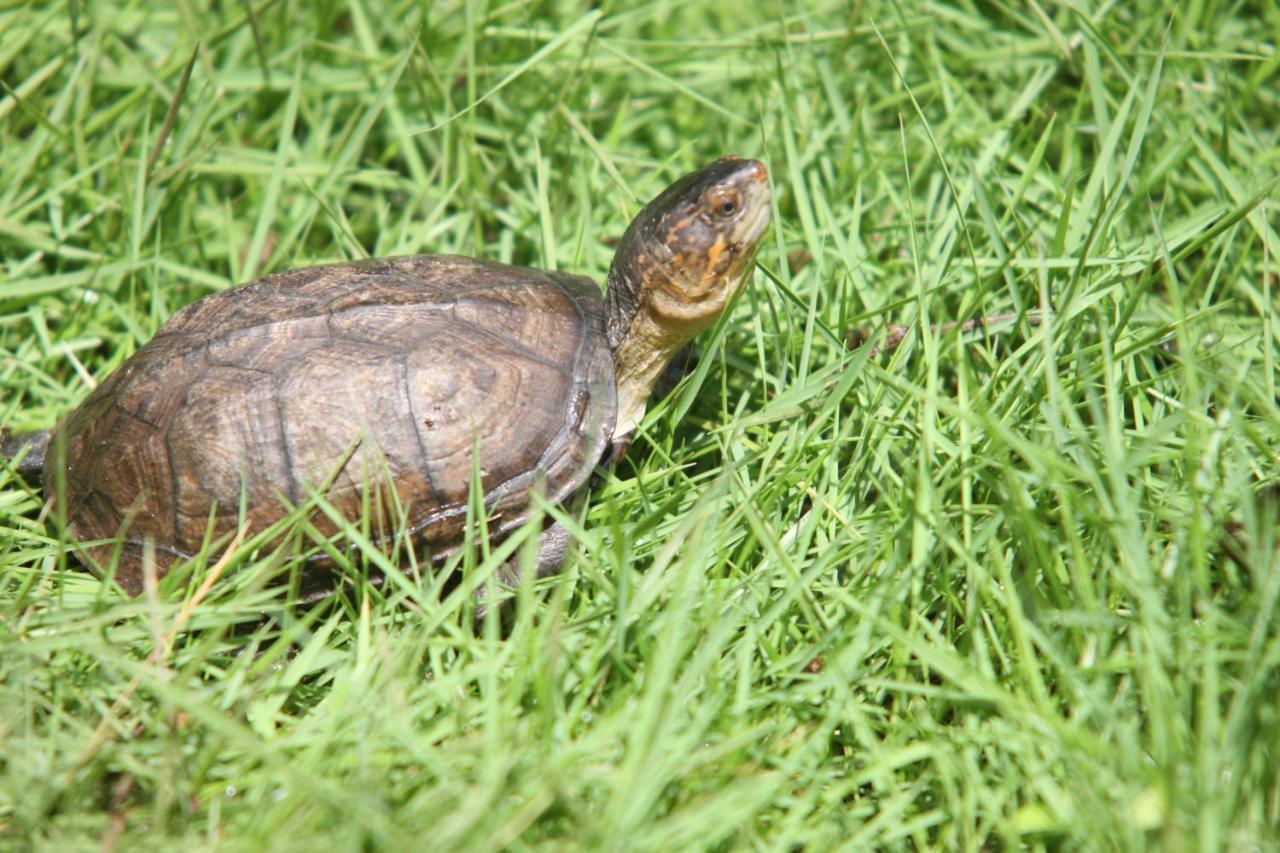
{"x":684,"y":256}
{"x":678,"y":266}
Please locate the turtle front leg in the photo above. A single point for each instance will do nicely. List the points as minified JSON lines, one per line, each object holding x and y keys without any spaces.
{"x":553,"y":547}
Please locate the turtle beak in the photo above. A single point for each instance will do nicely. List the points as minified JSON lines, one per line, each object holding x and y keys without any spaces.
{"x":753,"y":180}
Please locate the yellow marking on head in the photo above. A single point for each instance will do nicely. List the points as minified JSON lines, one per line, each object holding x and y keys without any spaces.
{"x":714,"y":251}
{"x":676,"y":230}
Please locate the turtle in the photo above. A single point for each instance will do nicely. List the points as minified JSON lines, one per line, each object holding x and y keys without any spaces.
{"x":410,"y":374}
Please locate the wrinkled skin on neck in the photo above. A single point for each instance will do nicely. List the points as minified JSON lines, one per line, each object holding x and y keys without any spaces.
{"x":678,"y":267}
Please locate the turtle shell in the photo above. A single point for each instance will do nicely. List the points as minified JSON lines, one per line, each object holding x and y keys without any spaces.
{"x":355,"y":381}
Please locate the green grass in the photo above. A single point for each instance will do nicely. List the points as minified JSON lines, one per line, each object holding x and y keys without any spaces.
{"x":1007,"y":589}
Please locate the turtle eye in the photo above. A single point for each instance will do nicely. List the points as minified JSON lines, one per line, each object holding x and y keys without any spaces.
{"x":725,"y":204}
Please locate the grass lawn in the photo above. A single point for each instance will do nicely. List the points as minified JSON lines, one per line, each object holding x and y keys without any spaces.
{"x":1016,"y":587}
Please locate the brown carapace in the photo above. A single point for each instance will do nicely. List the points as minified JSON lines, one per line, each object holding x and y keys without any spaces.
{"x":394,"y":383}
